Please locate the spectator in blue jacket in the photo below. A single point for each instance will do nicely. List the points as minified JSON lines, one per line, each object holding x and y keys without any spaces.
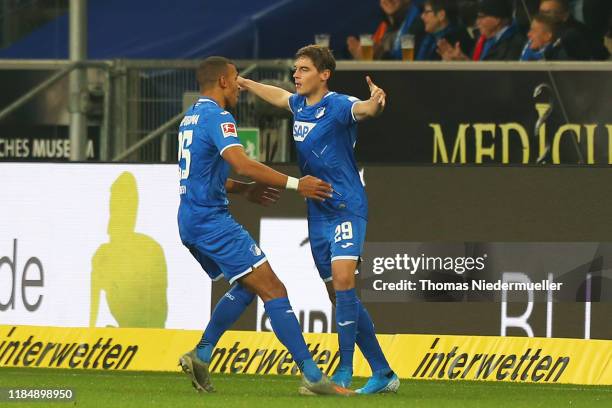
{"x":544,"y":43}
{"x":440,"y":19}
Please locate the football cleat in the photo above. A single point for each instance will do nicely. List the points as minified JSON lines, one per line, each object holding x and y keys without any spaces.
{"x":197,"y":371}
{"x":380,"y":384}
{"x":323,"y":387}
{"x":343,"y":376}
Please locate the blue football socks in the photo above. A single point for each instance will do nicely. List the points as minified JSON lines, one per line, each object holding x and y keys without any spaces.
{"x":288,"y":331}
{"x":368,"y":343}
{"x":229,"y":308}
{"x":347,"y":317}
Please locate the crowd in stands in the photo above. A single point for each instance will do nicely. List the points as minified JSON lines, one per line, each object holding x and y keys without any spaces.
{"x":492,"y":30}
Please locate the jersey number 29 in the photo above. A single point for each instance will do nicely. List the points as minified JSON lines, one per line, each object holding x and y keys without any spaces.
{"x":184,"y":141}
{"x":343,"y":231}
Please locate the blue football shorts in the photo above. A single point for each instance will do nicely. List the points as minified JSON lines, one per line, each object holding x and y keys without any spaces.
{"x":228,"y":252}
{"x":339,"y":237}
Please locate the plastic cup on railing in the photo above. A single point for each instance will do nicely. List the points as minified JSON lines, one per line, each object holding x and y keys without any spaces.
{"x":367,"y":46}
{"x":322,"y":40}
{"x":407,"y":42}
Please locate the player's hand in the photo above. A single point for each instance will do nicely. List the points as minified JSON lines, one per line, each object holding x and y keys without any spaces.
{"x":241,"y":83}
{"x":449,"y":53}
{"x":312,"y":187}
{"x":377,"y":94}
{"x":262,"y":194}
{"x":444,"y":49}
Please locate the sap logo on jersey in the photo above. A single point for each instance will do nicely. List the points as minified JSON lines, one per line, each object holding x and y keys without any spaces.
{"x":301,"y":130}
{"x":229,"y":129}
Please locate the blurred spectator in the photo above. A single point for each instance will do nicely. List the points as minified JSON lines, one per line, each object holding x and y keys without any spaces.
{"x":597,"y":14}
{"x":544,"y":42}
{"x":576,"y":7}
{"x":401,"y":17}
{"x":468,"y":12}
{"x":523,"y":11}
{"x":579,"y":42}
{"x":499,"y":38}
{"x":440,"y":19}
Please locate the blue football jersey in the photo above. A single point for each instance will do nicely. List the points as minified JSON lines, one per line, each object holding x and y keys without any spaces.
{"x":325,"y":135}
{"x":204,"y":133}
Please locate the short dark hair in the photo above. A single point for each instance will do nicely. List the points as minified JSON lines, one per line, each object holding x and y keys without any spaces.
{"x":450,"y":7}
{"x":211,"y":69}
{"x":321,"y":57}
{"x":564,"y":4}
{"x":553,"y":24}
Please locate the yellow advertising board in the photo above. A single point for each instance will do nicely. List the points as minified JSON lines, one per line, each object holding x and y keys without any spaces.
{"x":490,"y":358}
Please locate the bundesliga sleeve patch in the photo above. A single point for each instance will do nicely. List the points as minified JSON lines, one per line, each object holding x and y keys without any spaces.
{"x":229,"y":129}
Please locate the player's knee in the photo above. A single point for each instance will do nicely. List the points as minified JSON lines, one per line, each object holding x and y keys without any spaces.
{"x":344,"y":281}
{"x":269,"y":287}
{"x":277,"y":289}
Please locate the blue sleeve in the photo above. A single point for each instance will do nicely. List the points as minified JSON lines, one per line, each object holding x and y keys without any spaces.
{"x":294,"y":101}
{"x":223,"y":131}
{"x":343,"y":109}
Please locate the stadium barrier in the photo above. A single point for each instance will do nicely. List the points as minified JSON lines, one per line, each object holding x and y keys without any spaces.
{"x":431,"y":357}
{"x":498,"y":112}
{"x":501,"y":122}
{"x":60,"y":221}
{"x":127,"y":100}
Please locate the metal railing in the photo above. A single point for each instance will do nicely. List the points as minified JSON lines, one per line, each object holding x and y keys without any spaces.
{"x":154,"y":95}
{"x":139,"y":103}
{"x":60,"y":69}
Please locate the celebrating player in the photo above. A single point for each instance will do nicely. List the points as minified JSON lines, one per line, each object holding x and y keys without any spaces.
{"x":325,"y":133}
{"x":208,"y":147}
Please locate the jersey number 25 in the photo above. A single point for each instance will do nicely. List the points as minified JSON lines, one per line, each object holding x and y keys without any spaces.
{"x":184,"y":141}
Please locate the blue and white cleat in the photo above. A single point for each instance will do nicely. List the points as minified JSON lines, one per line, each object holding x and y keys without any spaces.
{"x":343,"y":377}
{"x":381,"y":384}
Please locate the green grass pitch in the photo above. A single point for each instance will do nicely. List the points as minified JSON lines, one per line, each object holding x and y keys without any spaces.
{"x":141,"y":389}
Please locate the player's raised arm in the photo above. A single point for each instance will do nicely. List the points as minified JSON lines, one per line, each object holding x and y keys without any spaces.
{"x":269,"y":93}
{"x":373,"y":106}
{"x":307,"y":186}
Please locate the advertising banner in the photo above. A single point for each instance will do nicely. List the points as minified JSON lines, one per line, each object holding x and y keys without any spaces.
{"x":288,"y":250}
{"x":43,"y":143}
{"x":536,"y":360}
{"x":489,"y":116}
{"x":546,"y":226}
{"x":96,"y":245}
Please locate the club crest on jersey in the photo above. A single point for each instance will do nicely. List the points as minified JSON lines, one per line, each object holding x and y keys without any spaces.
{"x":320,"y":112}
{"x":255,"y":250}
{"x":229,"y":129}
{"x":301,"y":130}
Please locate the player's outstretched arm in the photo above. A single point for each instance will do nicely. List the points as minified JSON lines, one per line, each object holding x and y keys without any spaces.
{"x":307,"y":186}
{"x":255,"y":192}
{"x":269,"y":93}
{"x":373,"y":106}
